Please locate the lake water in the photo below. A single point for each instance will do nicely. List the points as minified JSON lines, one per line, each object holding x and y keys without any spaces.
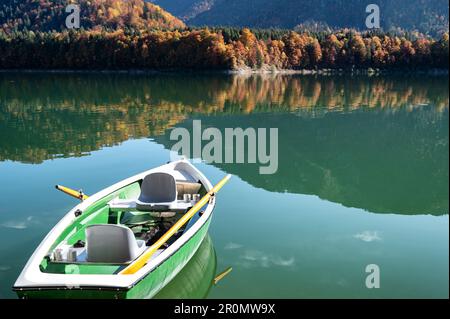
{"x":362,"y":177}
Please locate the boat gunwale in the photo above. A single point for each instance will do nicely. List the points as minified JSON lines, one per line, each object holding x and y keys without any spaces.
{"x":68,"y":219}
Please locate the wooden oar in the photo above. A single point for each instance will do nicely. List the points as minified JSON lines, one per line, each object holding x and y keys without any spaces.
{"x":142,"y":260}
{"x":222,"y":275}
{"x":77,"y":194}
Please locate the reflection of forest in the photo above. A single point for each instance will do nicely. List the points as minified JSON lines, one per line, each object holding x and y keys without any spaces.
{"x":53,"y":115}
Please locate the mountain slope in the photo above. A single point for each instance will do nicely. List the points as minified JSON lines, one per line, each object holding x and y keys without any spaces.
{"x":187,"y":9}
{"x":46,"y":15}
{"x":423,"y":15}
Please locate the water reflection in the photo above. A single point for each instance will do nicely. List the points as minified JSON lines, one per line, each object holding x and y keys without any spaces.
{"x":384,"y":163}
{"x":378,"y":143}
{"x":48,"y":116}
{"x":194,"y":281}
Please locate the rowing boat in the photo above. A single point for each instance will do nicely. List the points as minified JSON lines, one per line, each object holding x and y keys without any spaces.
{"x":126,"y":241}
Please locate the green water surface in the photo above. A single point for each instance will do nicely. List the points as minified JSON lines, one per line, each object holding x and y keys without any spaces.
{"x":362,"y":175}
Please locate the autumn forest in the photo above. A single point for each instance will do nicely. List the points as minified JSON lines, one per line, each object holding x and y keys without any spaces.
{"x":139,"y":35}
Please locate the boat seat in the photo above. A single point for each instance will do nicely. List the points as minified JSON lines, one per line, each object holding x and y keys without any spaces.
{"x":129,"y":205}
{"x":112,"y":244}
{"x":158,"y":192}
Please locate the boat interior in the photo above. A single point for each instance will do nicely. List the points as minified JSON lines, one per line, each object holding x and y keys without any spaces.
{"x":115,"y":230}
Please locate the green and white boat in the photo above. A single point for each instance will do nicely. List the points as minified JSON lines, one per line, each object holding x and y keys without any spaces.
{"x":126,"y":241}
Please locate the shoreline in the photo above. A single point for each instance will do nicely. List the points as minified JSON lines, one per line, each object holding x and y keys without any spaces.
{"x":243,"y":71}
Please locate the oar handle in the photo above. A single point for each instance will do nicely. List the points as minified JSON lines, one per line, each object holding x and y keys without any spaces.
{"x":143,"y":259}
{"x":77,"y":194}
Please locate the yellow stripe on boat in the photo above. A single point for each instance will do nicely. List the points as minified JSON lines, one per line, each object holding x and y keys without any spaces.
{"x":142,"y":260}
{"x":71,"y":192}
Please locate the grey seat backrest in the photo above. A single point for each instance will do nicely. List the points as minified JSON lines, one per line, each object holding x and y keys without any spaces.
{"x":158,"y":188}
{"x":112,"y":244}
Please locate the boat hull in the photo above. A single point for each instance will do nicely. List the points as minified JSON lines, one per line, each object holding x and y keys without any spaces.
{"x":195,"y":280}
{"x":146,"y":288}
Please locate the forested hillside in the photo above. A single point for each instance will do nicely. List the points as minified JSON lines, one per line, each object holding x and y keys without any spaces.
{"x":47,"y":15}
{"x":133,"y":34}
{"x":187,"y":9}
{"x":208,"y":50}
{"x":427,"y":16}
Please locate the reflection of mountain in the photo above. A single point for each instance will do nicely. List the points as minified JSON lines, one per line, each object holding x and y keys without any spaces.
{"x":380,"y":161}
{"x":363,"y":142}
{"x":195,"y":279}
